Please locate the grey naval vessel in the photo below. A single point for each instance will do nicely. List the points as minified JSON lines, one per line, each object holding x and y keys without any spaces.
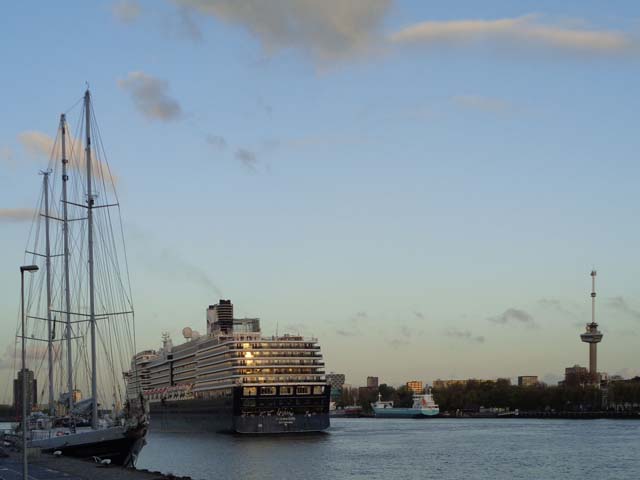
{"x":233,"y":379}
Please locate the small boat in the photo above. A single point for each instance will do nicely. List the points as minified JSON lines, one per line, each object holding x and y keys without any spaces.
{"x":423,"y":406}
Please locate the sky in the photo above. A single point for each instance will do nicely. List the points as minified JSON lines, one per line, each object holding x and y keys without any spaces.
{"x":423,"y":186}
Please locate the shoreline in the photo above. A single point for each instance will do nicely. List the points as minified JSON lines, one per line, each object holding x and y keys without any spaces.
{"x":524,"y":415}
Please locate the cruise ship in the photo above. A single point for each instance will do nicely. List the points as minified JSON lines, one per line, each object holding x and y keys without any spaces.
{"x":233,"y":379}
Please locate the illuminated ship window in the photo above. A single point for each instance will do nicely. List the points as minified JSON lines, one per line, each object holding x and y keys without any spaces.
{"x":267,"y":390}
{"x":286,"y":390}
{"x":303,"y":390}
{"x":318,"y":390}
{"x":250,"y":391}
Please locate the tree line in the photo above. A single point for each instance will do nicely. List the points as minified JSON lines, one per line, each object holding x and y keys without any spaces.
{"x":575,"y":395}
{"x":570,"y":397}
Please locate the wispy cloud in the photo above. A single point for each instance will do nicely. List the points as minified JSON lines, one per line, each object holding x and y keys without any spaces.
{"x":346,"y":333}
{"x":514,"y":316}
{"x":40,"y":147}
{"x":398,"y":342}
{"x":560,"y":307}
{"x":183,"y":24}
{"x":418,"y":315}
{"x":247,"y":158}
{"x":216,"y":141}
{"x":327,"y":30}
{"x":150,"y":96}
{"x":353,"y":325}
{"x":37,"y":144}
{"x":619,"y":304}
{"x":127,"y":11}
{"x":464,"y":335}
{"x":16,"y":214}
{"x":482,"y":103}
{"x":6,"y":154}
{"x":528,"y":30}
{"x":11,"y":355}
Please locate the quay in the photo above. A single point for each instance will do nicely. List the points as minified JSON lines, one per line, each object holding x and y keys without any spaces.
{"x":595,"y":415}
{"x":49,"y":467}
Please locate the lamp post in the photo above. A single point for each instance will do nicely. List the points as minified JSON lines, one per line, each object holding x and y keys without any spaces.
{"x":24,"y":268}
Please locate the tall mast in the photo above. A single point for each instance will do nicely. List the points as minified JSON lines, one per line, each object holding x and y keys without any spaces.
{"x":65,"y":232}
{"x":45,"y":181}
{"x":92,"y":310}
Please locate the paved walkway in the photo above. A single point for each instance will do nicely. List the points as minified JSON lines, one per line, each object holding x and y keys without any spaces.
{"x":47,"y":467}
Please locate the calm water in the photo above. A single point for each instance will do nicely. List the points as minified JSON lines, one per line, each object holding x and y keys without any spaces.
{"x":388,"y":449}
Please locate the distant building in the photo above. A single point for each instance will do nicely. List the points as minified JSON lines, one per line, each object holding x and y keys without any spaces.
{"x":372,"y":382}
{"x":32,"y":392}
{"x":415,"y":386}
{"x":336,"y":380}
{"x":527,"y":380}
{"x":577,"y":376}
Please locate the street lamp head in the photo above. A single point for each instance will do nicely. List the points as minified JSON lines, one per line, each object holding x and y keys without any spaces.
{"x":29,"y":268}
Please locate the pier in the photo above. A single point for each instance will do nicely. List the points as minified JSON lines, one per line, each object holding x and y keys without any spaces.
{"x":49,"y":467}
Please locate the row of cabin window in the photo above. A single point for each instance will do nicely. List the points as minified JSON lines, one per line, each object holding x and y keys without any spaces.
{"x":284,"y":390}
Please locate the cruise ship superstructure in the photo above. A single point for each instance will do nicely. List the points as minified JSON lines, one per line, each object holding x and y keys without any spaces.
{"x":233,"y":379}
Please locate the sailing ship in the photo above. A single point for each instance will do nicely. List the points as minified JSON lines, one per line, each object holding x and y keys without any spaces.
{"x":84,"y":292}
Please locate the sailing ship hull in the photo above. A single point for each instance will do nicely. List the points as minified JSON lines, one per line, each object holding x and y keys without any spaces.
{"x":117,"y":444}
{"x":229,"y":414}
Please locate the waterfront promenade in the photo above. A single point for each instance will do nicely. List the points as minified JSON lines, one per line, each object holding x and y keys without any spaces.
{"x":48,"y":467}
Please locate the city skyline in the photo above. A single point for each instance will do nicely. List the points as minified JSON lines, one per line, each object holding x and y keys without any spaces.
{"x":425,"y":188}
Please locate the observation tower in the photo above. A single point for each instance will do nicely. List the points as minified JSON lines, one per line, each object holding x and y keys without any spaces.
{"x":592,"y":335}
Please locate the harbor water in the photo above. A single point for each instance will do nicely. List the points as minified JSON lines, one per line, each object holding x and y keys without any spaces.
{"x":404,"y":448}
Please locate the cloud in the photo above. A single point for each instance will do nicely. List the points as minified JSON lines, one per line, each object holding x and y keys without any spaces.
{"x":405,"y":331}
{"x":11,"y":356}
{"x":559,"y":306}
{"x":514,"y":316}
{"x":264,"y":107}
{"x":526,"y":30}
{"x":620,"y":305}
{"x":40,"y":145}
{"x":16,"y":214}
{"x":327,"y":30}
{"x":216,"y":141}
{"x":36,"y":143}
{"x":180,"y":268}
{"x":247,"y":159}
{"x":187,"y":27}
{"x":6,"y":154}
{"x":127,"y":11}
{"x":150,"y":96}
{"x":183,"y":25}
{"x":398,"y":343}
{"x":346,"y":333}
{"x":481,"y":103}
{"x":352,"y":327}
{"x":419,"y":315}
{"x":464,"y":335}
